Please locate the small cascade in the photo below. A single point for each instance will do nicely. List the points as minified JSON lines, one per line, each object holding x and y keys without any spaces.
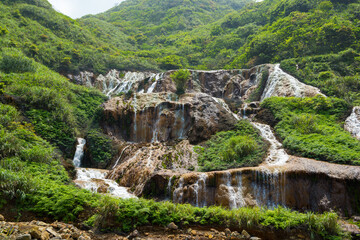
{"x":244,"y":110}
{"x":95,"y":180}
{"x":269,"y":188}
{"x":200,"y":190}
{"x":168,"y":188}
{"x":352,"y":123}
{"x":122,"y":152}
{"x":235,"y":193}
{"x":156,"y":129}
{"x":178,"y":194}
{"x":79,"y":153}
{"x":155,"y":80}
{"x":225,"y":106}
{"x":179,"y":124}
{"x":135,"y":118}
{"x":276,"y":153}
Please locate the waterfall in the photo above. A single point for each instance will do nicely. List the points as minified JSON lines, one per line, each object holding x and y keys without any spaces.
{"x":269,"y":188}
{"x":178,"y":193}
{"x":244,"y":110}
{"x":276,"y":154}
{"x":135,"y":118}
{"x":180,"y":122}
{"x":117,"y":161}
{"x":225,"y":106}
{"x":200,"y":190}
{"x":155,"y":137}
{"x":95,"y":180}
{"x":236,"y":198}
{"x":168,"y":189}
{"x":352,"y":123}
{"x":155,"y":78}
{"x":278,"y":79}
{"x":79,"y":153}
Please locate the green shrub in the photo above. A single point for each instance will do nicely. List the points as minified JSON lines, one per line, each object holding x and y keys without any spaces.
{"x":15,"y":62}
{"x":240,"y":147}
{"x":100,"y":150}
{"x":180,"y":78}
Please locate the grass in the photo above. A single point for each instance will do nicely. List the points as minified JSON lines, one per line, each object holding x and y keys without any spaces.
{"x":240,"y":147}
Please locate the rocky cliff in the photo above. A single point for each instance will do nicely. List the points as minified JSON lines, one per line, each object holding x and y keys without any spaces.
{"x":156,"y":130}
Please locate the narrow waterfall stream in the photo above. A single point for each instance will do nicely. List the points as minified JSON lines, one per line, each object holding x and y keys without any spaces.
{"x":95,"y":180}
{"x":276,"y":153}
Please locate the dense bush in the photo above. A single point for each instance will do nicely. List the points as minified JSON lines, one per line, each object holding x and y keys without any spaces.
{"x":57,"y":108}
{"x":240,"y":147}
{"x":12,"y":61}
{"x":311,"y":127}
{"x":180,"y":78}
{"x":99,"y":152}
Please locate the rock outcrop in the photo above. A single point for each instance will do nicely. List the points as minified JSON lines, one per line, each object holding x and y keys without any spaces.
{"x":163,"y":117}
{"x":352,"y":123}
{"x":302,"y":184}
{"x":236,"y":85}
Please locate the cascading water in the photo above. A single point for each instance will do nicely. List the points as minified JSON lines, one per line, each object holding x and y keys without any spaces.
{"x":155,"y":80}
{"x":276,"y":153}
{"x":269,"y":188}
{"x":178,"y":193}
{"x":244,"y":110}
{"x":79,"y":153}
{"x":122,"y":152}
{"x":235,"y":194}
{"x":200,"y":190}
{"x":155,"y":137}
{"x":95,"y":179}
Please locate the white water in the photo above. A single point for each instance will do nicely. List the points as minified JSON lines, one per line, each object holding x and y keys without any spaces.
{"x":200,"y":190}
{"x":155,"y":137}
{"x":155,"y":78}
{"x":79,"y":153}
{"x":168,"y":189}
{"x":279,"y":81}
{"x":95,"y":179}
{"x":178,"y":193}
{"x":269,"y":188}
{"x":122,"y":152}
{"x":276,"y":153}
{"x":236,"y":198}
{"x":225,"y":106}
{"x":352,"y":123}
{"x":244,"y":110}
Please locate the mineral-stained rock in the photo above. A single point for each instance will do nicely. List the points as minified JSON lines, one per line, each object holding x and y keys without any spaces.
{"x":24,"y":237}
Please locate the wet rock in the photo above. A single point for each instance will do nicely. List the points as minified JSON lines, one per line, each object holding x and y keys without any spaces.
{"x":246,"y":234}
{"x":35,"y":233}
{"x":227,"y":232}
{"x":172,"y":226}
{"x":133,"y":235}
{"x":2,"y":218}
{"x":24,"y":237}
{"x":193,"y":232}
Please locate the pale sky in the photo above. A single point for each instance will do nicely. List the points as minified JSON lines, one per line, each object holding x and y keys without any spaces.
{"x":79,"y":8}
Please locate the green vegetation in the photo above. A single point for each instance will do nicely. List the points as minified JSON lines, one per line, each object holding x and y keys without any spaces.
{"x":100,"y":150}
{"x":32,"y":177}
{"x":180,"y":78}
{"x":311,"y":127}
{"x":240,"y":147}
{"x":336,"y":75}
{"x":57,"y":108}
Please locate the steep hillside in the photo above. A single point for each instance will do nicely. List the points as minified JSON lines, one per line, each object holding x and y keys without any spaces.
{"x":61,"y":43}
